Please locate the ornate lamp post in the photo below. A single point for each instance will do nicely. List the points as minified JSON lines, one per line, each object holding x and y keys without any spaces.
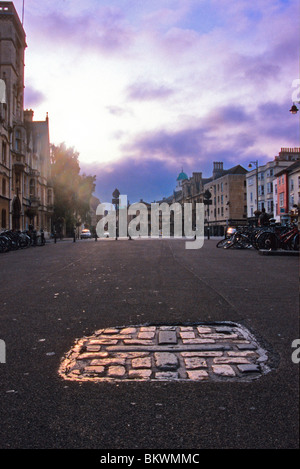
{"x":256,"y":167}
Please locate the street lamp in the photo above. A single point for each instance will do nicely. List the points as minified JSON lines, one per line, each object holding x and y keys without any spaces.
{"x":256,"y":166}
{"x":294,"y":109}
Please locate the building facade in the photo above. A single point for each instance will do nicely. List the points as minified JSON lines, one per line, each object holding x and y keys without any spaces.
{"x":287,"y":193}
{"x":228,"y":198}
{"x":262,"y":183}
{"x":26,"y":195}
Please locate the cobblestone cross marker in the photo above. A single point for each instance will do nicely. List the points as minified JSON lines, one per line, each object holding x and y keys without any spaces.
{"x":198,"y":352}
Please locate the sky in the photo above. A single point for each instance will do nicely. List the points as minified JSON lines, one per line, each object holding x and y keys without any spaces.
{"x":144,"y":89}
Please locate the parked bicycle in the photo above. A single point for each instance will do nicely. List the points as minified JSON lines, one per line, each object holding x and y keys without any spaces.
{"x":12,"y":240}
{"x":271,"y":237}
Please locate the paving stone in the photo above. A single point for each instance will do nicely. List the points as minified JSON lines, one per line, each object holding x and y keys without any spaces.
{"x":166,"y":375}
{"x":202,"y":354}
{"x":187,"y":335}
{"x":146,"y":335}
{"x":128,"y":330}
{"x":246,"y":346}
{"x":248,"y":368}
{"x":105,"y":342}
{"x":186,"y":328}
{"x":99,"y":370}
{"x":139,"y":374}
{"x":148,"y":329}
{"x":116,"y":371}
{"x":130,"y":355}
{"x":90,"y":355}
{"x":247,"y":353}
{"x":223,"y":370}
{"x":141,"y":362}
{"x":111,"y":330}
{"x":108,"y":361}
{"x":196,"y":375}
{"x":198,"y":341}
{"x":204,"y":330}
{"x":195,"y":362}
{"x":166,"y":361}
{"x":224,"y":360}
{"x":138,"y":342}
{"x":93,"y":348}
{"x":167,"y":337}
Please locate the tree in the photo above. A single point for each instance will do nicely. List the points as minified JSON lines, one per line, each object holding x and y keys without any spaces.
{"x":72,"y":191}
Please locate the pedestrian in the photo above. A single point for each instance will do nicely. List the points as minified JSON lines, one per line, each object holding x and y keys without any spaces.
{"x":263,"y":219}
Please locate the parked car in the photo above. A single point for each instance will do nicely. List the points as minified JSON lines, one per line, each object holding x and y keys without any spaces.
{"x":85,"y":234}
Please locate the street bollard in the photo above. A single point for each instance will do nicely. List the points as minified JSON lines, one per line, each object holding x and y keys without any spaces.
{"x":74,"y":237}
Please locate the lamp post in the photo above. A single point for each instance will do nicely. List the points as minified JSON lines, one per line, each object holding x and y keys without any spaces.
{"x":256,"y":167}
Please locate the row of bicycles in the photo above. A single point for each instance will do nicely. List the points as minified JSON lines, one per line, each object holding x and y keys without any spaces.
{"x":11,"y":240}
{"x":271,"y":237}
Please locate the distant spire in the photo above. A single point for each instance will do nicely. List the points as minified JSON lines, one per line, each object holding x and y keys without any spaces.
{"x":23,"y":13}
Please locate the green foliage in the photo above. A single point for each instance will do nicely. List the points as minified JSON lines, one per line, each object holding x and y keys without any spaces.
{"x":72,"y":191}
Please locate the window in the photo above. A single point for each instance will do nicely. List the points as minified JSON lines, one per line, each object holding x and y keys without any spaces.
{"x":270,"y":206}
{"x":3,"y":218}
{"x":4,"y":153}
{"x":18,"y":140}
{"x":261,"y":190}
{"x":250,"y":182}
{"x":292,"y":184}
{"x":281,"y":199}
{"x":4,"y":187}
{"x":32,"y":187}
{"x":269,"y":188}
{"x":251,"y":197}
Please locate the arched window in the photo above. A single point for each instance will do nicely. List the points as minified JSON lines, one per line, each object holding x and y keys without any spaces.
{"x":4,"y":187}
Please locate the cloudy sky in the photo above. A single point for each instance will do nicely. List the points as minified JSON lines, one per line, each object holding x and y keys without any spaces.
{"x":143,"y":88}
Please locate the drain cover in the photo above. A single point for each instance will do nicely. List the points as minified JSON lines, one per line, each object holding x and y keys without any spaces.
{"x":197,"y":352}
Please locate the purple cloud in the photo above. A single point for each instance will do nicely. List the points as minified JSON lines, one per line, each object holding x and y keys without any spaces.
{"x":105,"y":30}
{"x":33,"y":97}
{"x":143,"y":91}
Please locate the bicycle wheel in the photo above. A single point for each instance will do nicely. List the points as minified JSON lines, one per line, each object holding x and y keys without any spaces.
{"x":221,"y":243}
{"x":295,"y":244}
{"x":269,"y":241}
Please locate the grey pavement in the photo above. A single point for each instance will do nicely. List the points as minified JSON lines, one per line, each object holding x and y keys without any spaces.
{"x":52,"y":296}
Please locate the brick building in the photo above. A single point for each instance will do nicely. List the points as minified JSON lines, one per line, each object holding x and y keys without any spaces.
{"x":26,"y":195}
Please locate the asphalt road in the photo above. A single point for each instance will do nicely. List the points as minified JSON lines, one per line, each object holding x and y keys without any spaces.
{"x":54,"y":294}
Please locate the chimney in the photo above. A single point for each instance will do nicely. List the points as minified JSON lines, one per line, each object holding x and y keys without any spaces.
{"x":28,"y":115}
{"x":218,"y":169}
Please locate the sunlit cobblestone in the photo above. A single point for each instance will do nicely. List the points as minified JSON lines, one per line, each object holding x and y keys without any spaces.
{"x":167,"y":352}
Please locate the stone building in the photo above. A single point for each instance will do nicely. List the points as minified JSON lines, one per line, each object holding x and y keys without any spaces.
{"x":228,"y":198}
{"x":26,"y":195}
